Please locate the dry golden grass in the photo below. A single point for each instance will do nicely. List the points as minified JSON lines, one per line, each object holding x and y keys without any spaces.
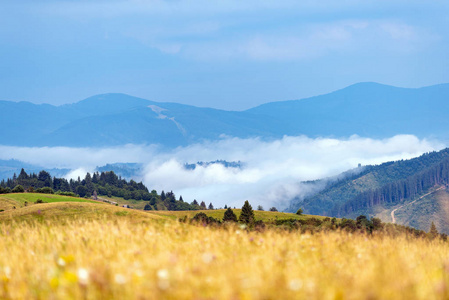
{"x":118,"y":259}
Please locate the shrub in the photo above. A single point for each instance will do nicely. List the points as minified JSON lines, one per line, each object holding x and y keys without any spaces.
{"x":202,"y":218}
{"x":39,"y":201}
{"x":70,"y":194}
{"x":229,"y":216}
{"x":18,"y":189}
{"x":45,"y":190}
{"x":299,"y":212}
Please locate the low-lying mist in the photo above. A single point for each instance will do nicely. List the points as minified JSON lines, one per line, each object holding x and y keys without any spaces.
{"x":271,"y":175}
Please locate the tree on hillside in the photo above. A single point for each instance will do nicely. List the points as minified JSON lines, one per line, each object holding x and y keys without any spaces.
{"x":23,"y":175}
{"x":433,"y":232}
{"x":203,"y":205}
{"x":229,"y":216}
{"x":260,"y":207}
{"x":147,"y":207}
{"x":81,"y":190}
{"x":45,"y":177}
{"x":273,"y":209}
{"x":299,"y":211}
{"x":247,"y":214}
{"x":211,"y":206}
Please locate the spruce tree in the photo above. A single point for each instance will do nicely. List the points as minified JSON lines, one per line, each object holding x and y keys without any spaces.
{"x":433,"y":232}
{"x":211,"y":206}
{"x":247,"y":214}
{"x":229,"y":216}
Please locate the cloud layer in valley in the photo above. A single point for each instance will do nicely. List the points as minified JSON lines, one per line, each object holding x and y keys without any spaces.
{"x":271,"y":173}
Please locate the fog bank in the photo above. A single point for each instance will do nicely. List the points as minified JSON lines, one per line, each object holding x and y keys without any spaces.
{"x":271,"y":172}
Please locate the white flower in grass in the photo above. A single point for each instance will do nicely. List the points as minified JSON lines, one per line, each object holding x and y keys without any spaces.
{"x":162,"y":274}
{"x":120,"y":279}
{"x":83,"y":276}
{"x":295,"y":284}
{"x":61,"y":262}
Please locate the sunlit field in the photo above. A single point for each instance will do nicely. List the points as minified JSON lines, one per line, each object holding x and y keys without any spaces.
{"x":119,"y":259}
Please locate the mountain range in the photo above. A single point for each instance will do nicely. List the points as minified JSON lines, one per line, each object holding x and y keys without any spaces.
{"x":366,"y":109}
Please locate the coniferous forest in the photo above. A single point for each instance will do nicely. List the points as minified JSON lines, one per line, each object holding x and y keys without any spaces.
{"x":387,"y":184}
{"x":103,"y":184}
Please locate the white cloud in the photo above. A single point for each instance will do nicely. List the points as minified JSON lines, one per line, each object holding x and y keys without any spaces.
{"x":271,"y":174}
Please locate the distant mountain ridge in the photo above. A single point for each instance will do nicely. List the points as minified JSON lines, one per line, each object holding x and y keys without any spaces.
{"x":366,"y":109}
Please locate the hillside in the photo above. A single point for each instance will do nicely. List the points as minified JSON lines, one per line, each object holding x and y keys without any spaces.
{"x":366,"y":109}
{"x":378,"y":190}
{"x":65,"y":211}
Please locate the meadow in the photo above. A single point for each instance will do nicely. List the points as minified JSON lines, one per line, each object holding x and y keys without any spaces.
{"x":105,"y":252}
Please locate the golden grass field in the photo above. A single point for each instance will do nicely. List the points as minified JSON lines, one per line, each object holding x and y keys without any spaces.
{"x":99,"y":251}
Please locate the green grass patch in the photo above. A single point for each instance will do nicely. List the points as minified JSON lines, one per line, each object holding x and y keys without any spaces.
{"x":265,"y":216}
{"x":121,"y":213}
{"x":19,"y":199}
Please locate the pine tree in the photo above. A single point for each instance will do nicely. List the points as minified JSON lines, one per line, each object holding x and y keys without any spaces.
{"x":203,"y":205}
{"x":247,"y":215}
{"x":229,"y":216}
{"x":211,"y":206}
{"x":433,"y":232}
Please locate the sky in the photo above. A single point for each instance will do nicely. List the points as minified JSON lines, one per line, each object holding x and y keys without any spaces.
{"x":223,"y":54}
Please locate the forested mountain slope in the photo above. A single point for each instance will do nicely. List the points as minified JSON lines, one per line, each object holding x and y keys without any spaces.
{"x":381,"y":188}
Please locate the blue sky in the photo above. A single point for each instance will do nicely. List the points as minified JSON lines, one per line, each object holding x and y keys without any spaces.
{"x":222,"y":54}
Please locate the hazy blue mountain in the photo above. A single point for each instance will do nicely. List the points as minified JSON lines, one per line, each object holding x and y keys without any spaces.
{"x":9,"y":167}
{"x":224,"y":163}
{"x":124,"y":170}
{"x":366,"y":109}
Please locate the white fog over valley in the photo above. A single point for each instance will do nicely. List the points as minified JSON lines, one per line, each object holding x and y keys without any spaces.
{"x":270,"y":175}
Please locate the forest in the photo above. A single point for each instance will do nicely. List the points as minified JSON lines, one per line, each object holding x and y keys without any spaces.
{"x":398,"y":191}
{"x":101,"y":184}
{"x":387,"y":184}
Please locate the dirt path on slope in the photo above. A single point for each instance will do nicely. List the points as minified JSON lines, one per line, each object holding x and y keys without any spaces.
{"x":393,"y":211}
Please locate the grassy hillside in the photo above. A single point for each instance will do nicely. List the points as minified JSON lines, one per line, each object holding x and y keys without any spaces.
{"x":123,"y":259}
{"x":431,"y":208}
{"x":8,"y":201}
{"x":69,"y":211}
